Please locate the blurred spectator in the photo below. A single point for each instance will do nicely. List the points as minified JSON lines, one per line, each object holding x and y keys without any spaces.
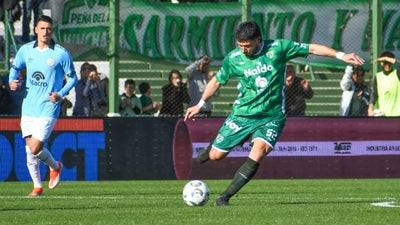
{"x":15,"y":10}
{"x":356,"y":94}
{"x":148,"y":106}
{"x":385,"y":97}
{"x":82,"y":103}
{"x":96,"y":91}
{"x":130,"y":104}
{"x":29,"y":7}
{"x":297,"y":91}
{"x":174,"y":95}
{"x":5,"y":98}
{"x":198,"y":77}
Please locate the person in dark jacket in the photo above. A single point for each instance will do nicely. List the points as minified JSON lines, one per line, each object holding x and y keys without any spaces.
{"x":297,"y":91}
{"x":174,"y":95}
{"x":5,"y":98}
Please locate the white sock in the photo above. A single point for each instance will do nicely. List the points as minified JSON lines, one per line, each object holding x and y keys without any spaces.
{"x":33,"y":166}
{"x":46,"y":157}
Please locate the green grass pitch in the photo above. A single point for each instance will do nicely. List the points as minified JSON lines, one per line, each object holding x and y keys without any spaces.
{"x":306,"y":202}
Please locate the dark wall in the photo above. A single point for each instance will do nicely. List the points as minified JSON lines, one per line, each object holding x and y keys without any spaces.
{"x":139,"y":148}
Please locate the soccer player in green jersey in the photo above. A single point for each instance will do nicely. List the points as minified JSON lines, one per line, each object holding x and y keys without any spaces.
{"x":259,"y":110}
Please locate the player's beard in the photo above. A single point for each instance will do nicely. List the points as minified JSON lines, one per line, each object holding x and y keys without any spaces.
{"x":253,"y":51}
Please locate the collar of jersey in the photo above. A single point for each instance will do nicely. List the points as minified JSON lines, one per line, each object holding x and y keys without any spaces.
{"x":260,"y":51}
{"x":51,"y":45}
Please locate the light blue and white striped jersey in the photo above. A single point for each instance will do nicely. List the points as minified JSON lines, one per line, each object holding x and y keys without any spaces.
{"x":45,"y":72}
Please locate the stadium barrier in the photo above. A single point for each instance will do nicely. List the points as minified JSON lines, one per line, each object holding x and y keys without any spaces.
{"x":96,"y":149}
{"x":307,"y":148}
{"x":164,"y":148}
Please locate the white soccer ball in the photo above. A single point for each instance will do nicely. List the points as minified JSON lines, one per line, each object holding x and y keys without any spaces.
{"x":195,"y":193}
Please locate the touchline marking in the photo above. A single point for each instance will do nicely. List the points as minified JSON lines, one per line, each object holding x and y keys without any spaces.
{"x":386,"y":204}
{"x":381,"y":202}
{"x":88,"y":197}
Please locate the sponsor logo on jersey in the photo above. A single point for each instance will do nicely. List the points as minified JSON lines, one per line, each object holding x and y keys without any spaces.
{"x":37,"y":80}
{"x":260,"y":68}
{"x":232,"y":125}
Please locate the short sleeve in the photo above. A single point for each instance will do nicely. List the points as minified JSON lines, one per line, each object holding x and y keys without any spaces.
{"x":224,"y":73}
{"x":294,"y":49}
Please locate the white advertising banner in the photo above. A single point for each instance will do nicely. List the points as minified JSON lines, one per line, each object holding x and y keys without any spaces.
{"x":318,"y":148}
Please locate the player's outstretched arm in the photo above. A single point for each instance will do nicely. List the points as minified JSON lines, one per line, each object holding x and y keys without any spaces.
{"x":211,"y":88}
{"x":322,"y":50}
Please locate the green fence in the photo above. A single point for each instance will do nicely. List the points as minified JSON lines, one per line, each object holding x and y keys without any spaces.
{"x":157,"y":36}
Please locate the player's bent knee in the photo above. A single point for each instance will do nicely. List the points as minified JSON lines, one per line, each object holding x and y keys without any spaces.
{"x":35,"y":146}
{"x":216,"y":155}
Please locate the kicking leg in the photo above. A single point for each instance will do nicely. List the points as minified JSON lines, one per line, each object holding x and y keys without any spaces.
{"x":204,"y":154}
{"x":246,"y":172}
{"x":210,"y":153}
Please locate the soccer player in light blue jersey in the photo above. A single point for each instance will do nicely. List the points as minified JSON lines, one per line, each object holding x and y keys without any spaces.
{"x":259,"y":111}
{"x":46,"y":64}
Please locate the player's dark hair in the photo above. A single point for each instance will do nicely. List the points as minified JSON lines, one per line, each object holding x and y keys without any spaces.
{"x":44,"y":18}
{"x":387,"y":54}
{"x":172,"y":72}
{"x":144,"y":87}
{"x":247,"y":31}
{"x":129,"y":82}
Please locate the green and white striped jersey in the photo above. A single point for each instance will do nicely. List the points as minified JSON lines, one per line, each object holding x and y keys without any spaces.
{"x":261,"y":77}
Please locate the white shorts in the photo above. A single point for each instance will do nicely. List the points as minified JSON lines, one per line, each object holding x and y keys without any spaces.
{"x":39,"y":128}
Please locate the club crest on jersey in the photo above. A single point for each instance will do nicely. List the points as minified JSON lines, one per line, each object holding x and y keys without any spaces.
{"x":260,"y":68}
{"x":219,"y":138}
{"x":269,"y":54}
{"x":261,"y":82}
{"x":50,"y":62}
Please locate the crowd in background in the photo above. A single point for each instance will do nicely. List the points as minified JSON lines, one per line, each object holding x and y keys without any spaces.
{"x":381,"y":98}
